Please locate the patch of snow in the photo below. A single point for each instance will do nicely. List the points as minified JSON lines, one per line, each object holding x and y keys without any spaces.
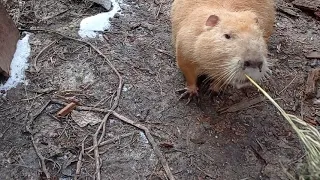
{"x":90,"y":26}
{"x":126,"y":87}
{"x":18,"y":65}
{"x":143,"y":137}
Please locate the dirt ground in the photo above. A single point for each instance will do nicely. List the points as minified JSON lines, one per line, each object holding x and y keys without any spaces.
{"x":204,"y":140}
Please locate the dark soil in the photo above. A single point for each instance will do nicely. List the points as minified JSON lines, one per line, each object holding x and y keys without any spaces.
{"x":202,"y":142}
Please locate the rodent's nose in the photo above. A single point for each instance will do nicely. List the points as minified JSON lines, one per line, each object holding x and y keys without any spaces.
{"x":253,"y":64}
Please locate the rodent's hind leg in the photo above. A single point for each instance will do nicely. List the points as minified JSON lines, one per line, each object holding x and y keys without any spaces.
{"x":189,"y":71}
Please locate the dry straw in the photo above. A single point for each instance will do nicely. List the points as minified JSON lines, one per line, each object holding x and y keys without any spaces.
{"x":309,"y":136}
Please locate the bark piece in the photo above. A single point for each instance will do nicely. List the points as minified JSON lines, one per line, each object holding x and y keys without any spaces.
{"x":67,"y":109}
{"x":311,"y":83}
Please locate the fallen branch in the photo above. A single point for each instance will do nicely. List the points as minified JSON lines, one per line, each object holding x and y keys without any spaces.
{"x":151,"y":140}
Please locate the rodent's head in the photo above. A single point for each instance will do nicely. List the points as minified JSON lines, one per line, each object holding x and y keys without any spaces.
{"x":231,"y":46}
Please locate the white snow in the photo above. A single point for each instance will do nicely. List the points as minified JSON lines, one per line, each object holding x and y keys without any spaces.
{"x":90,"y":26}
{"x":19,"y":64}
{"x":143,"y":137}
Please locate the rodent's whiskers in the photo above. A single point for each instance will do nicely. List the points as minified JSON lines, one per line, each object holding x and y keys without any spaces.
{"x":226,"y":76}
{"x":221,"y":77}
{"x":207,"y":80}
{"x":230,"y":77}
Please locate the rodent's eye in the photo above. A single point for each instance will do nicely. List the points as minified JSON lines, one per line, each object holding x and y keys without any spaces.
{"x":227,"y":36}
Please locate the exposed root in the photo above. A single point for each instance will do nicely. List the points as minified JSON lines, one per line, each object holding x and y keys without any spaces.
{"x":42,"y":159}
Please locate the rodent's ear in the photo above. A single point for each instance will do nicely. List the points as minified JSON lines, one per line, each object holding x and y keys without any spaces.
{"x":212,"y":20}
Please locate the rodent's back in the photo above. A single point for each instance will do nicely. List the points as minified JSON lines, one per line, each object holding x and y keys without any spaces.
{"x":184,"y":11}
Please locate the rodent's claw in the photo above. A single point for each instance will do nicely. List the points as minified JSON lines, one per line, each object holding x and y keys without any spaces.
{"x":190,"y":92}
{"x":192,"y":96}
{"x":182,"y":90}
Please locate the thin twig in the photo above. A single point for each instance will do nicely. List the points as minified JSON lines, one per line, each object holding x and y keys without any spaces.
{"x":110,"y":141}
{"x":42,"y":91}
{"x":164,"y":52}
{"x":245,"y":104}
{"x":288,"y":85}
{"x":42,"y":159}
{"x":28,"y":99}
{"x":102,"y":101}
{"x":147,"y":133}
{"x":42,"y":109}
{"x":204,"y":172}
{"x":36,"y":116}
{"x":82,"y":108}
{"x":79,"y":163}
{"x":116,"y":138}
{"x":25,"y":166}
{"x":160,"y":6}
{"x":96,"y":157}
{"x":55,"y":15}
{"x":37,"y":57}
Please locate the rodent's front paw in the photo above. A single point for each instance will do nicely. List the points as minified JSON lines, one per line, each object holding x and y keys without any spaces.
{"x":190,"y":91}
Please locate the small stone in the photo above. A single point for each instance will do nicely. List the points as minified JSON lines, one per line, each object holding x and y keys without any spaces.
{"x":134,"y":25}
{"x":198,"y":140}
{"x":53,"y":134}
{"x":144,"y":114}
{"x":314,"y":63}
{"x":207,"y":126}
{"x":117,"y":15}
{"x":313,"y":55}
{"x":316,"y":101}
{"x":107,"y":4}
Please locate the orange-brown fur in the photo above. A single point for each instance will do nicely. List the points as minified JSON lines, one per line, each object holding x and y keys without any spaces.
{"x":200,"y":51}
